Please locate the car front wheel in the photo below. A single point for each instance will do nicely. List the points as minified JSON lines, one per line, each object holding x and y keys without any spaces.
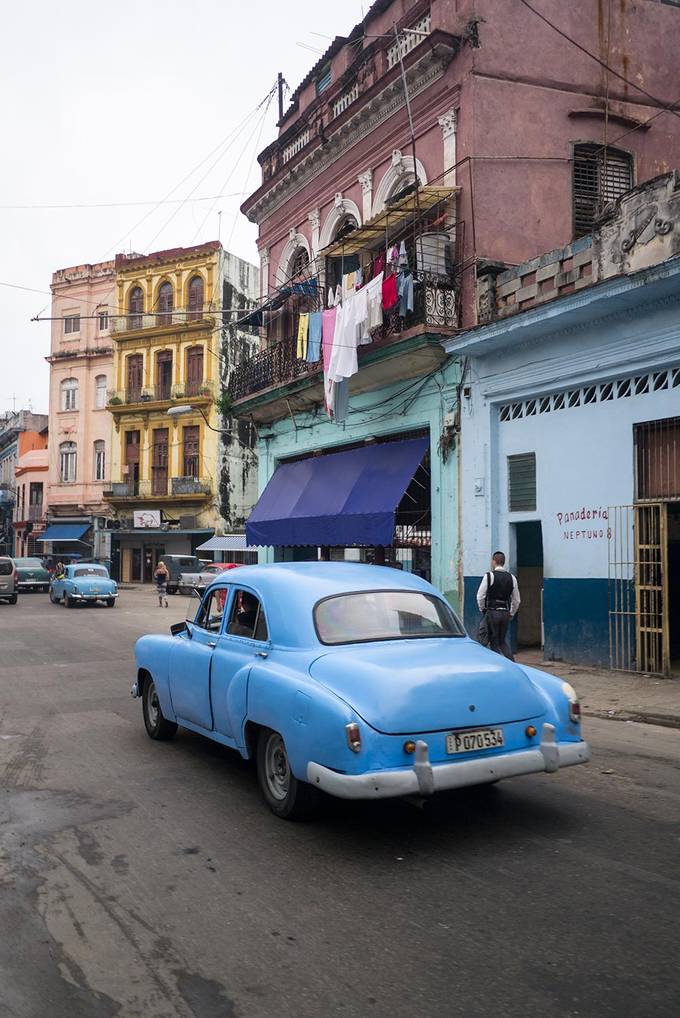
{"x":157,"y":726}
{"x":69,"y":601}
{"x":286,"y":797}
{"x":110,"y":602}
{"x":13,"y":599}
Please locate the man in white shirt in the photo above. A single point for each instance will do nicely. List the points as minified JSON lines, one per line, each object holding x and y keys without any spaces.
{"x":498,"y":599}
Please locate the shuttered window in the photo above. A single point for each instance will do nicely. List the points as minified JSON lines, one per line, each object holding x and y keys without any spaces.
{"x":600,"y":176}
{"x":657,"y":459}
{"x":522,"y":483}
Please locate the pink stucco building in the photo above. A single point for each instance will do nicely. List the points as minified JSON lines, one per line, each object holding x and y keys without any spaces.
{"x":81,"y":365}
{"x":503,"y":106}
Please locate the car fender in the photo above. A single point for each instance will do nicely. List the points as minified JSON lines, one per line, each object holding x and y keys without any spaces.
{"x":152,"y":655}
{"x":310,"y":718}
{"x":551,"y":689}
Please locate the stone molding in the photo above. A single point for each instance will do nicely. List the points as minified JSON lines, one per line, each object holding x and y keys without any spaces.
{"x":364,"y":122}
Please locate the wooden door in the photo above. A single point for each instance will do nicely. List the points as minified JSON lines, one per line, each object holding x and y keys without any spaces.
{"x":159,"y":467}
{"x":194,"y":370}
{"x":135,"y":377}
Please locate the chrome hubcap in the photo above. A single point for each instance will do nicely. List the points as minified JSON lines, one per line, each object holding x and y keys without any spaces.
{"x":152,"y":705}
{"x":276,"y":766}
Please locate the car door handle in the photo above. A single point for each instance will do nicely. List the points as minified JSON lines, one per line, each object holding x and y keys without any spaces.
{"x":212,"y":643}
{"x":261,"y":653}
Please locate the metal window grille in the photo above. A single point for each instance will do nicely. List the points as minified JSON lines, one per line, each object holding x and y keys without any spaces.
{"x":600,"y":176}
{"x":657,"y":459}
{"x":522,"y":482}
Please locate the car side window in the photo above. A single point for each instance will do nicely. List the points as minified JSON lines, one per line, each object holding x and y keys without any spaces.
{"x":247,"y":617}
{"x":209,"y":616}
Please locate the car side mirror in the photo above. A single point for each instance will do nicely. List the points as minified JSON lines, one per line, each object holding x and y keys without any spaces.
{"x":180,"y":627}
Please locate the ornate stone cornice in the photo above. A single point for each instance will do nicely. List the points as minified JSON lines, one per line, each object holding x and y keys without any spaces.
{"x":374,"y":112}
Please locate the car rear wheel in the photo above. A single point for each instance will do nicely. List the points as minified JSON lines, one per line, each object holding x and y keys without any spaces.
{"x":157,"y":726}
{"x":286,"y":797}
{"x":53,"y":599}
{"x":13,"y":599}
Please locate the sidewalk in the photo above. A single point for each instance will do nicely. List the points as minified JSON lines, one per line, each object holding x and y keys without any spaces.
{"x":621,"y":696}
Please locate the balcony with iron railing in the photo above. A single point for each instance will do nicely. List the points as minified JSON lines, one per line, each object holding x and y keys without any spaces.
{"x":29,"y":513}
{"x":160,"y":488}
{"x":133,"y":321}
{"x":401,"y":348}
{"x":120,"y":400}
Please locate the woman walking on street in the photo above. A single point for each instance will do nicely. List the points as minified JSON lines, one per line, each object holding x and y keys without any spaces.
{"x":161,"y":577}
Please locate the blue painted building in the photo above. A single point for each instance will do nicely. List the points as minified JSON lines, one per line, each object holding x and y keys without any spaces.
{"x":571,"y":438}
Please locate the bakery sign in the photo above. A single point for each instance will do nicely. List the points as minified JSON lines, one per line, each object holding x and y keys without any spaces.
{"x":147,"y":518}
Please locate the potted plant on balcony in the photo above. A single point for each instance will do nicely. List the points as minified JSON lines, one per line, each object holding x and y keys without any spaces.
{"x":115,"y":401}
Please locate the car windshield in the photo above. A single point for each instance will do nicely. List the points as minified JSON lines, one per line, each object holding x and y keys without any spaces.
{"x":384,"y":615}
{"x":90,"y":571}
{"x":29,"y":563}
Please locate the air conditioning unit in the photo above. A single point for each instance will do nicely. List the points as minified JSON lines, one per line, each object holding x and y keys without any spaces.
{"x":187,"y":522}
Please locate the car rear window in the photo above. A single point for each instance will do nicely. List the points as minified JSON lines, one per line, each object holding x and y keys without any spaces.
{"x":29,"y":563}
{"x":6,"y":566}
{"x":384,"y":615}
{"x":187,"y":563}
{"x":90,"y":571}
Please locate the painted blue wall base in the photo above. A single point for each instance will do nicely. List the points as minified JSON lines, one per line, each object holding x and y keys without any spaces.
{"x":576,"y":619}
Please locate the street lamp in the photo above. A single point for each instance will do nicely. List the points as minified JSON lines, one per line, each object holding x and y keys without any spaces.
{"x":188,"y":408}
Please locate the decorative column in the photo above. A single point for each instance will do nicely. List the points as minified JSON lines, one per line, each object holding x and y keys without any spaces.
{"x":448,"y":122}
{"x":366,"y":181}
{"x":264,"y":272}
{"x":315,"y":220}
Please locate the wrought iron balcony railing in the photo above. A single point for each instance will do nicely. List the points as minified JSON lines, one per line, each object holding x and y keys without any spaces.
{"x":435,"y":305}
{"x":145,"y":320}
{"x":132,"y":396}
{"x":160,"y":486}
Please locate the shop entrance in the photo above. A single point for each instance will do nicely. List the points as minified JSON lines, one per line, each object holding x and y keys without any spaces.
{"x":529,"y":558}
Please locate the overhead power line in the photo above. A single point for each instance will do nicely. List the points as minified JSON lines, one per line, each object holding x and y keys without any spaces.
{"x":122,"y":204}
{"x":602,"y":63}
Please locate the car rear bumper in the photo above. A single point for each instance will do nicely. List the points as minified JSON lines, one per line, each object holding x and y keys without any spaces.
{"x":92,"y":597}
{"x":425,"y":778}
{"x":30,"y":584}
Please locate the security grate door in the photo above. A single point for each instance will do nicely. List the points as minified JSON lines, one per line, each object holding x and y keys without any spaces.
{"x":639,"y":637}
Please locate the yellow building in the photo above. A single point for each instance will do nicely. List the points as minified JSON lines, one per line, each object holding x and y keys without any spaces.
{"x":172,"y":472}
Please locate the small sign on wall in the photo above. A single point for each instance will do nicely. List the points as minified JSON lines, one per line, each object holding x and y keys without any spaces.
{"x":147,"y":518}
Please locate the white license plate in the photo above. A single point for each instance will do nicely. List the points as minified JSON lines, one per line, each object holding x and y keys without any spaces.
{"x":480,"y":738}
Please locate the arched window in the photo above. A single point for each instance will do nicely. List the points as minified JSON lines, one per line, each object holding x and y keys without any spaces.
{"x":99,"y":460}
{"x":195,"y":308}
{"x":67,"y":462}
{"x":346,"y":225}
{"x":69,"y":394}
{"x":299,"y":263}
{"x":165,"y":303}
{"x":136,"y":308}
{"x":100,"y":392}
{"x":335,"y":266}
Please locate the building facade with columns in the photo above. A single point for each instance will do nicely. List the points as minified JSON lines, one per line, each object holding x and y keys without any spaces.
{"x":427,"y":125}
{"x":180,"y":470}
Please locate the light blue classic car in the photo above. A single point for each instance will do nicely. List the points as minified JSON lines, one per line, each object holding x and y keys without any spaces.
{"x":83,"y":584}
{"x":354,"y":680}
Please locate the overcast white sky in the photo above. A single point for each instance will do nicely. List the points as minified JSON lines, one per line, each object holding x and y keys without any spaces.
{"x":119,"y":102}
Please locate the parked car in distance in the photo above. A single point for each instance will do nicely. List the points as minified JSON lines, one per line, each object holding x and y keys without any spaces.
{"x":354,"y":680}
{"x":8,"y":578}
{"x":191,"y":583}
{"x":178,"y":564}
{"x":31,"y":574}
{"x":84,"y":583}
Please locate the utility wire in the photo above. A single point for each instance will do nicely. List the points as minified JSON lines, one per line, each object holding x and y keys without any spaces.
{"x":123,"y":204}
{"x":593,"y":56}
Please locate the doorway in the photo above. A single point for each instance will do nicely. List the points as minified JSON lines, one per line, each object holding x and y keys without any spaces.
{"x":529,"y":557}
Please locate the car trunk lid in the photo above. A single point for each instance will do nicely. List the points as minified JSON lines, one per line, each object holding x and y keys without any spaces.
{"x":404,"y":687}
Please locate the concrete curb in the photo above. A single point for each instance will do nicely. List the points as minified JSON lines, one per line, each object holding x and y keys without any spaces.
{"x":643,"y":717}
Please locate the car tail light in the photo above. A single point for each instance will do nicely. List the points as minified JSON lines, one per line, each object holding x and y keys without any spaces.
{"x":574,"y":705}
{"x":353,"y":733}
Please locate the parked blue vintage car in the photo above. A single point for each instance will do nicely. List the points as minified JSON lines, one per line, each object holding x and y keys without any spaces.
{"x":354,"y":680}
{"x":82,"y":584}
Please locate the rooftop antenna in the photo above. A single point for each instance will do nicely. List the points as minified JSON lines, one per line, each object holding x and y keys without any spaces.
{"x":219,"y":225}
{"x":279,"y":82}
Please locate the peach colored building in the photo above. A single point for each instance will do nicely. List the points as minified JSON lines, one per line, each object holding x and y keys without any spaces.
{"x":30,"y":507}
{"x":81,"y":367}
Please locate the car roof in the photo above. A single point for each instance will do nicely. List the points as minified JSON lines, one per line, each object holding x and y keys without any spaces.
{"x":291,"y":589}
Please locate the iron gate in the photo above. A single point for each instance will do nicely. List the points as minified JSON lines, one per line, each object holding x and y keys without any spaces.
{"x":639,"y":636}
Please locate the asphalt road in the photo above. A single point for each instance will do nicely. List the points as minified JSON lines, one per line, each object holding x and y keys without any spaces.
{"x":148,"y":879}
